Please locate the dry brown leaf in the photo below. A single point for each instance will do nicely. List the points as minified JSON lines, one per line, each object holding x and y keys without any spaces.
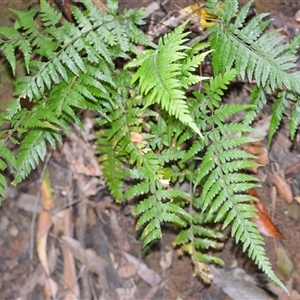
{"x":87,"y":257}
{"x":39,"y":277}
{"x":50,"y":289}
{"x":257,"y":149}
{"x":136,"y":137}
{"x":100,"y":5}
{"x":44,"y":225}
{"x":238,"y":284}
{"x":47,"y":200}
{"x":292,"y":171}
{"x":69,"y":262}
{"x":283,"y":188}
{"x":263,"y":221}
{"x":126,"y":271}
{"x":147,"y":274}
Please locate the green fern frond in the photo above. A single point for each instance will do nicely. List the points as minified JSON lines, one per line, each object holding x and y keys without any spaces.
{"x":252,"y":52}
{"x":255,"y":54}
{"x":153,"y":212}
{"x":32,"y":150}
{"x":160,"y":75}
{"x":198,"y":238}
{"x":295,"y":119}
{"x":279,"y":108}
{"x":187,"y":179}
{"x":6,"y":157}
{"x":245,"y":230}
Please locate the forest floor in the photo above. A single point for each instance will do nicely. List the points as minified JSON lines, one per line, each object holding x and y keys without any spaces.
{"x":91,"y":244}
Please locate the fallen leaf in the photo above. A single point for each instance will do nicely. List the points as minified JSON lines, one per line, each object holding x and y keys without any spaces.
{"x":293,"y":210}
{"x":292,"y":171}
{"x":261,"y":153}
{"x":87,"y":257}
{"x":70,"y":278}
{"x":238,"y":284}
{"x":283,"y":188}
{"x":263,"y":221}
{"x":44,"y":225}
{"x":147,"y":274}
{"x":46,"y":193}
{"x":50,"y":289}
{"x":127,"y":270}
{"x":136,"y":137}
{"x":285,"y":262}
{"x":198,"y":10}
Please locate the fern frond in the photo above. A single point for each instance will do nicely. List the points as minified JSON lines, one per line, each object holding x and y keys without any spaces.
{"x":295,"y":119}
{"x":6,"y":157}
{"x":278,"y":109}
{"x":153,"y":212}
{"x":245,"y":230}
{"x":160,"y":75}
{"x":32,"y":150}
{"x":252,"y":52}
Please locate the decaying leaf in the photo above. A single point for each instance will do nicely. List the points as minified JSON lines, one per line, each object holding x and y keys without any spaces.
{"x":136,"y":137}
{"x":292,"y":171}
{"x":238,"y":284}
{"x":261,"y":153}
{"x":70,"y":280}
{"x":198,"y":10}
{"x":127,"y":270}
{"x":285,"y":262}
{"x":87,"y":257}
{"x":147,"y":274}
{"x":293,"y":210}
{"x":263,"y":221}
{"x":283,"y":188}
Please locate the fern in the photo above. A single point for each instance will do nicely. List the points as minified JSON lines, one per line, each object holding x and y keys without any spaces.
{"x":152,"y":138}
{"x":164,"y":73}
{"x":69,"y":67}
{"x":255,"y":54}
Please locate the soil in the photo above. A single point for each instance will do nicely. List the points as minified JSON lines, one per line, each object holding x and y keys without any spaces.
{"x":106,"y":261}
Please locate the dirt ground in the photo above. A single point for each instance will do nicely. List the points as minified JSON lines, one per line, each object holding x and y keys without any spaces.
{"x":91,"y":249}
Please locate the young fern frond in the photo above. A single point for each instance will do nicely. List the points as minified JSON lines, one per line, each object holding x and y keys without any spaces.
{"x":165,"y":73}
